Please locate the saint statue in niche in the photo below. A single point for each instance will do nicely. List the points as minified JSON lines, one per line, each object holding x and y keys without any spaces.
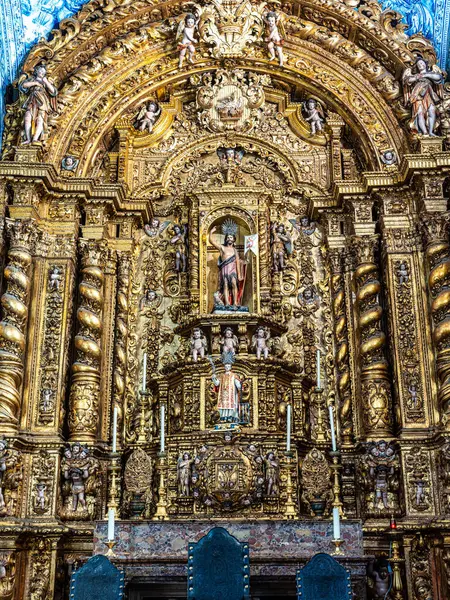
{"x":232,"y":270}
{"x":228,"y":387}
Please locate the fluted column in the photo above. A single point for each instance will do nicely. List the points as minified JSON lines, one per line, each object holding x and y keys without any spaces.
{"x":375,"y":387}
{"x":84,"y":398}
{"x":120,"y":349}
{"x":342,"y":345}
{"x":438,"y":257}
{"x":22,"y":236}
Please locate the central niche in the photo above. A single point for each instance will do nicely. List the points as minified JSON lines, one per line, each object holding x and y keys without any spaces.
{"x":230,"y":285}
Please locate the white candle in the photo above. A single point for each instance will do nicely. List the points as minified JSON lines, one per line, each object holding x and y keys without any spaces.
{"x":114,"y":444}
{"x":163,"y":426}
{"x":333,"y":432}
{"x":288,"y":427}
{"x":111,"y":524}
{"x":318,"y":369}
{"x":336,"y":524}
{"x":144,"y":374}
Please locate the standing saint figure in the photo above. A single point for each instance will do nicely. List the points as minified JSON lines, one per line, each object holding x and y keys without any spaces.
{"x":232,"y":270}
{"x":229,"y":387}
{"x":40,"y":102}
{"x":422,"y":91}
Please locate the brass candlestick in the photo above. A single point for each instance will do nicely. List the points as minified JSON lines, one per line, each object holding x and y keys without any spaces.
{"x":336,"y":467}
{"x":110,"y":545}
{"x":142,"y":436}
{"x":396,"y":560}
{"x":318,"y":401}
{"x":337,"y":546}
{"x":114,"y":491}
{"x":162,"y":504}
{"x":290,"y":506}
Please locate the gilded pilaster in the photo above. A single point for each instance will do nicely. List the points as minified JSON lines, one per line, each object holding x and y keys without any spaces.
{"x":22,"y":236}
{"x":375,"y":386}
{"x":342,"y":354}
{"x":437,"y":252}
{"x":194,"y":258}
{"x":84,"y":400}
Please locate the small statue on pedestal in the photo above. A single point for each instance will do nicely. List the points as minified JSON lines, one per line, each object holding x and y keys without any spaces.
{"x":199,"y":344}
{"x":229,"y":388}
{"x":281,"y":246}
{"x":184,"y":474}
{"x":229,"y":342}
{"x":178,"y":241}
{"x":272,"y":474}
{"x":259,"y":342}
{"x":232,"y":270}
{"x":41,"y":100}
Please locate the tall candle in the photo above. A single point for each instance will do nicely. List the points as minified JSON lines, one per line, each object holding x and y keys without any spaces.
{"x":333,"y":431}
{"x":144,"y":374}
{"x":163,"y":426}
{"x":114,"y":444}
{"x":111,"y":516}
{"x":288,"y":427}
{"x":318,"y":369}
{"x":336,"y":524}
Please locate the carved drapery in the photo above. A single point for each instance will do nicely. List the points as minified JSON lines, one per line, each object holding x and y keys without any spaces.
{"x":375,"y":386}
{"x":22,"y":236}
{"x":342,"y":345}
{"x":438,"y":256}
{"x":85,"y":389}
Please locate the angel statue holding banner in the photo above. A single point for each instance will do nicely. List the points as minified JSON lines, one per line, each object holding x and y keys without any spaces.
{"x":232,"y":270}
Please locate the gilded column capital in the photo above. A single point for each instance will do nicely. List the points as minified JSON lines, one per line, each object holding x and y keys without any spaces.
{"x":435,"y":227}
{"x":22,"y":233}
{"x":365,"y":248}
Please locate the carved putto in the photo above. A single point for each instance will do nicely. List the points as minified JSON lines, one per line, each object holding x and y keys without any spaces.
{"x":260,"y":342}
{"x":379,"y":472}
{"x":273,"y":37}
{"x":229,"y":342}
{"x":81,"y":480}
{"x":230,"y":100}
{"x":186,"y":38}
{"x":314,"y":115}
{"x":10,"y":478}
{"x":147,"y":117}
{"x":199,"y":344}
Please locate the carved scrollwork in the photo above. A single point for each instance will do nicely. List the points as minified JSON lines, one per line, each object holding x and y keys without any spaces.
{"x":316,"y":483}
{"x":138,"y":476}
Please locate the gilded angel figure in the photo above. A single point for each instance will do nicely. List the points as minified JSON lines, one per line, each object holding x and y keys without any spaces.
{"x":147,"y":117}
{"x":186,"y":38}
{"x":423,"y":89}
{"x":273,"y":37}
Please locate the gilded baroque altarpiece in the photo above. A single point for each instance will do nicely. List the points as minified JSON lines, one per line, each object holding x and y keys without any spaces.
{"x":226,"y":189}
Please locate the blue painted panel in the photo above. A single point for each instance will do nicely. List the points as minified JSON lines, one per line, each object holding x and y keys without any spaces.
{"x":98,"y":579}
{"x":323,"y":578}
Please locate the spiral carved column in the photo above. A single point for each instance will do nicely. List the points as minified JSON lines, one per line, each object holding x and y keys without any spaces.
{"x":438,"y":256}
{"x":342,"y":345}
{"x":22,"y":236}
{"x":375,"y":387}
{"x":123,"y":275}
{"x":84,"y":398}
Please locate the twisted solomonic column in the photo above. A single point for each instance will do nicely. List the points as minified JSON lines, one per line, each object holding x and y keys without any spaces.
{"x":342,"y":345}
{"x":437,"y":251}
{"x":375,"y":386}
{"x":84,"y":400}
{"x":22,"y":237}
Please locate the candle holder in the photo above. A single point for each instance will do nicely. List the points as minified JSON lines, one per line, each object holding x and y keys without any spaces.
{"x":396,"y":560}
{"x":336,"y":467}
{"x":110,"y":545}
{"x":290,"y":511}
{"x":337,"y":546}
{"x":318,"y":401}
{"x":162,"y":504}
{"x":114,"y":491}
{"x":143,"y":404}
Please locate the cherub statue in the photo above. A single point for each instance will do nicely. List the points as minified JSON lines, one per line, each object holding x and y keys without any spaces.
{"x":259,"y":342}
{"x":272,"y":474}
{"x":147,"y":117}
{"x":314,"y":115}
{"x":178,"y":240}
{"x":40,"y":499}
{"x":186,"y":38}
{"x":55,"y":279}
{"x":281,"y":246}
{"x":69,"y":163}
{"x":199,"y":344}
{"x":229,"y":342}
{"x":184,"y":474}
{"x":423,"y":90}
{"x":155,"y":227}
{"x":403,"y":273}
{"x":378,"y":571}
{"x":308,"y":300}
{"x":273,"y":38}
{"x":40,"y":102}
